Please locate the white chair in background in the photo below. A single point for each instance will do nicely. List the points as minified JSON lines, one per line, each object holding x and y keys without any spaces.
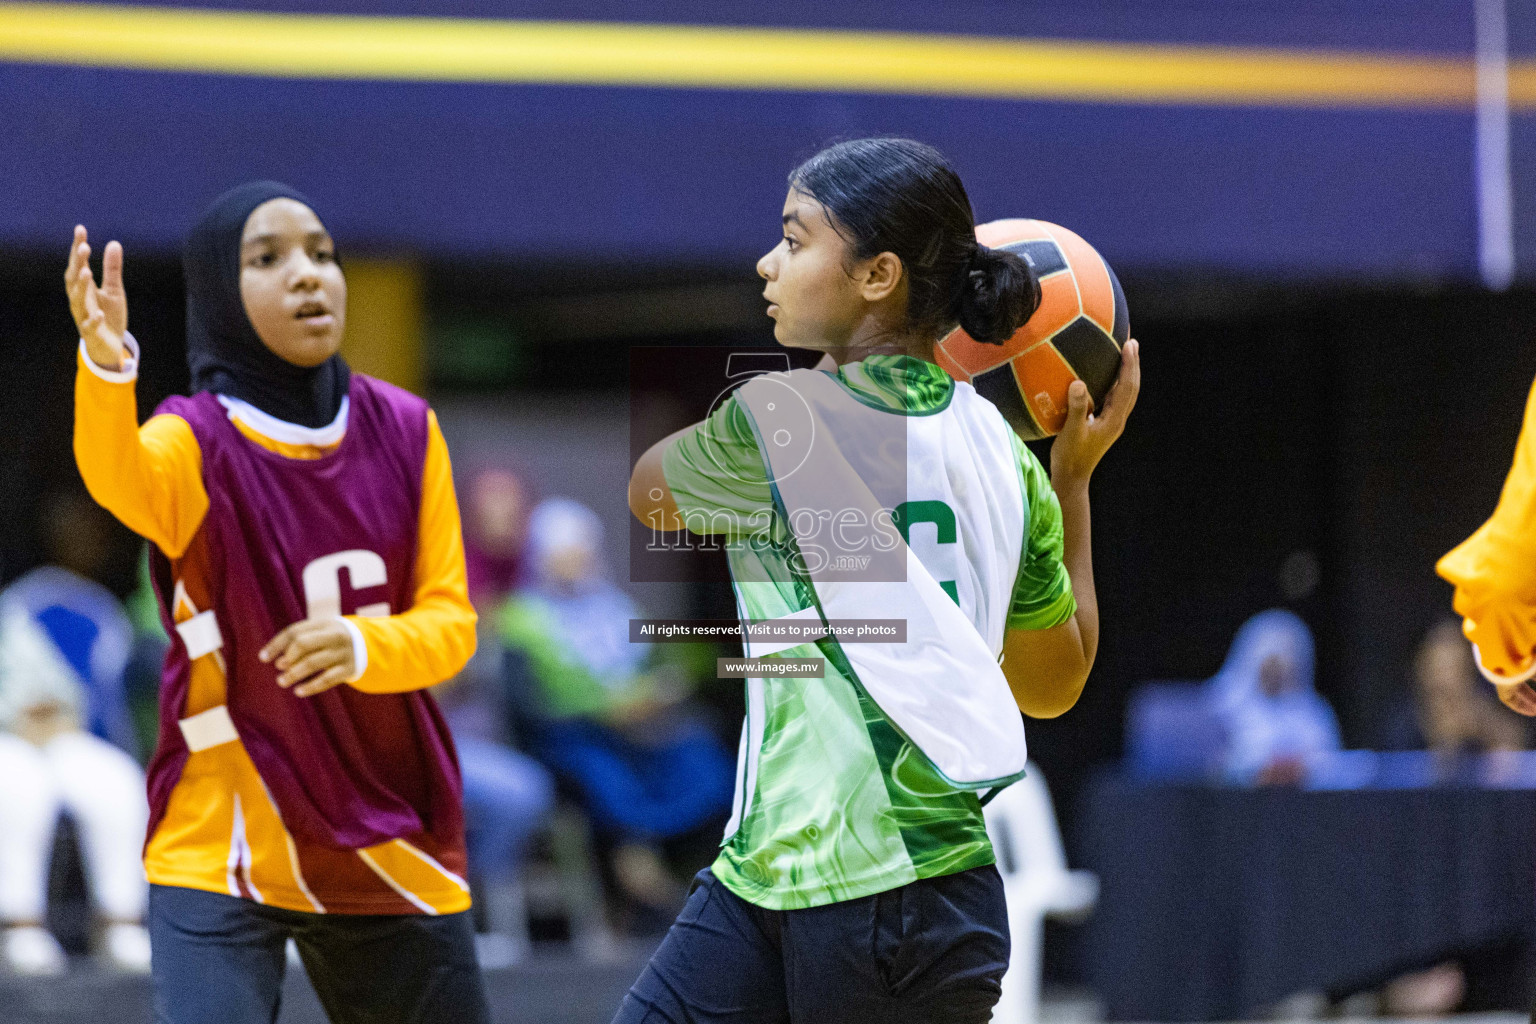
{"x":1037,"y":882}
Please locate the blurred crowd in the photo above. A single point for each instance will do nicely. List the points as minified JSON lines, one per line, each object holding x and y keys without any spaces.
{"x":1259,"y":721}
{"x":595,"y":777}
{"x":559,"y":710}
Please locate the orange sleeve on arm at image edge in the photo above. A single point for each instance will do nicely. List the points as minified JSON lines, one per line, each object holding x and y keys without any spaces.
{"x":1494,"y":570}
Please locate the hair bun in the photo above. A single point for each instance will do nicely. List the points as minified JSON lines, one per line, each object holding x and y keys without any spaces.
{"x":1000,"y":293}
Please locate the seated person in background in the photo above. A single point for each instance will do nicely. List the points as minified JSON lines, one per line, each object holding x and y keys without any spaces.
{"x":1263,"y":695}
{"x":63,"y":639}
{"x":498,"y":505}
{"x":85,"y":619}
{"x":1452,"y":711}
{"x":507,"y":798}
{"x":614,"y":721}
{"x":141,"y":680}
{"x":507,"y":794}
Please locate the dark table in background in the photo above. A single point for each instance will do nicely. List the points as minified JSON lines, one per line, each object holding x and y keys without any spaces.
{"x":1216,"y":903}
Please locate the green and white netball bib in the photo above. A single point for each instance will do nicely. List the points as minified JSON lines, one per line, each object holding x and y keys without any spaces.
{"x":903,"y":517}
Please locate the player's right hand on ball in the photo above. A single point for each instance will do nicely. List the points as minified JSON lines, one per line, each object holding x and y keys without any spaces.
{"x":1518,"y":697}
{"x":101,"y":314}
{"x":1088,"y":434}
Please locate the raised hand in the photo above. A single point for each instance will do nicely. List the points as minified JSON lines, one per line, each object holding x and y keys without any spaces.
{"x":1088,"y":435}
{"x":101,"y":313}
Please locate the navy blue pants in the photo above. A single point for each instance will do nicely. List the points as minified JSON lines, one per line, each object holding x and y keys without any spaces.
{"x":219,"y":959}
{"x":932,"y":951}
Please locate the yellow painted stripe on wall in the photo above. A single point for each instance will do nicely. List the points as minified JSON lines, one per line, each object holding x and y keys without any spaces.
{"x":1522,"y":85}
{"x":385,"y":321}
{"x":678,"y":56}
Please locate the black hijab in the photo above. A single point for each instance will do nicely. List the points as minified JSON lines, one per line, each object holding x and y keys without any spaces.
{"x":224,"y":352}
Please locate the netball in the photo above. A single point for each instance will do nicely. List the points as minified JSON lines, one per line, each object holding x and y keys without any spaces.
{"x":1075,"y":334}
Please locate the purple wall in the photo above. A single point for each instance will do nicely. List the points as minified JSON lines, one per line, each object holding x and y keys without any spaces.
{"x":686,"y":176}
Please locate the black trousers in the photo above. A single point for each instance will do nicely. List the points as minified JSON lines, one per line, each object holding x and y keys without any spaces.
{"x":931,"y":951}
{"x":219,"y":959}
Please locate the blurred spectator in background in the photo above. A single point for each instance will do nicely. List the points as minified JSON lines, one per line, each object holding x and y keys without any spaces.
{"x":1451,"y":712}
{"x":497,"y":508}
{"x":141,"y":681}
{"x":614,"y":721}
{"x":507,"y":794}
{"x":64,"y":644}
{"x":1273,"y":718}
{"x":84,"y":618}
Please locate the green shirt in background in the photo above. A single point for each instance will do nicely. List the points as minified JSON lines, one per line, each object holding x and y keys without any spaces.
{"x":567,"y":688}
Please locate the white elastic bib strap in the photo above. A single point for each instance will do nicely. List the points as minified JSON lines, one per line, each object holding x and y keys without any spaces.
{"x":211,"y":728}
{"x":201,"y":634}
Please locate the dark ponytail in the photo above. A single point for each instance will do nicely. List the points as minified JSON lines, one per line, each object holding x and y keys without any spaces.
{"x":1000,"y":293}
{"x":902,"y":197}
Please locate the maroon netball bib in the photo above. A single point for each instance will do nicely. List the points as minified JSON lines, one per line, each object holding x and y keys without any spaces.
{"x":287,"y":539}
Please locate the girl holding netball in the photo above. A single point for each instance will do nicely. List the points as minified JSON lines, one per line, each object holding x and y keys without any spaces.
{"x":309,"y":566}
{"x":857,"y":882}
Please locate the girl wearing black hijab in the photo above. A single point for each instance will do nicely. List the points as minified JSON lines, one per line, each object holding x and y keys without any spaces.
{"x":300,"y":384}
{"x":307,"y":556}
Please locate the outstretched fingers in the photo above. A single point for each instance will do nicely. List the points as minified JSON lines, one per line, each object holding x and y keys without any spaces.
{"x":77,"y":251}
{"x":1122,"y":397}
{"x":94,"y":317}
{"x":78,"y":282}
{"x":112,"y":269}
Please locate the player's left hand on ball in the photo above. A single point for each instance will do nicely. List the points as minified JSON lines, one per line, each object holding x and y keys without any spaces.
{"x":1088,"y":434}
{"x":315,"y":654}
{"x":1519,"y":697}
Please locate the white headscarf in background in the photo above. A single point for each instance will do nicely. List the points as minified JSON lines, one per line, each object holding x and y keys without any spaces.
{"x":593,"y":613}
{"x":32,"y":671}
{"x":1261,"y":728}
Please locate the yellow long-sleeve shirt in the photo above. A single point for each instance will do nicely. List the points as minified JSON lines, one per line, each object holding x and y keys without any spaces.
{"x":221,"y":831}
{"x":1494,"y":570}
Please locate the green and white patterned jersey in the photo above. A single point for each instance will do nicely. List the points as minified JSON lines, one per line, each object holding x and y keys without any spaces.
{"x":838,"y":804}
